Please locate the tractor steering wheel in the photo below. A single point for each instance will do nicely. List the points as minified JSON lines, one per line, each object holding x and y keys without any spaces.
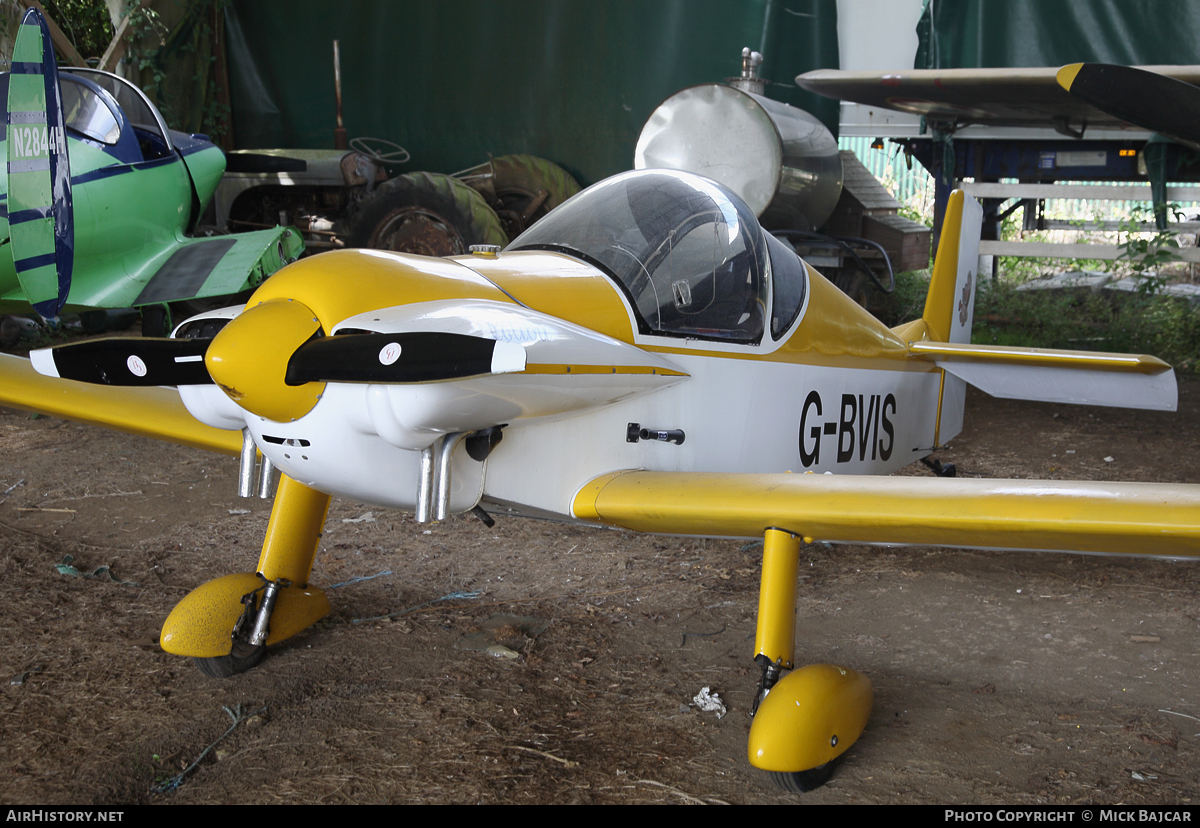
{"x":377,"y":149}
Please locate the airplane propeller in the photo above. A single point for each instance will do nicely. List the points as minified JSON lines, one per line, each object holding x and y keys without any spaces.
{"x":290,"y":363}
{"x":1149,"y":100}
{"x":41,"y":231}
{"x":125,"y":361}
{"x":402,"y":357}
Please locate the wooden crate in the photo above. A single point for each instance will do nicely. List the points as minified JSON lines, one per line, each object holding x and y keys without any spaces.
{"x":906,"y":241}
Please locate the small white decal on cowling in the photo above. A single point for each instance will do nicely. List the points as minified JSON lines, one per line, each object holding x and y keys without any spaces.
{"x":390,"y":353}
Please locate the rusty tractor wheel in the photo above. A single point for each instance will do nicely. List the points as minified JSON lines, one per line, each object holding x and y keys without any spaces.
{"x":523,"y":188}
{"x":427,"y":214}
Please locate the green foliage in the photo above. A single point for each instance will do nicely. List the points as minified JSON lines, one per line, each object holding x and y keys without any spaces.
{"x":1086,"y":320}
{"x":1145,"y":254}
{"x":86,"y":23}
{"x":1170,"y":328}
{"x":907,"y":301}
{"x":914,"y":213}
{"x":174,"y":63}
{"x":1005,"y":315}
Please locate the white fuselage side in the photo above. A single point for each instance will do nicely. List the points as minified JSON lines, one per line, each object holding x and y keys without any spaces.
{"x":771,"y":417}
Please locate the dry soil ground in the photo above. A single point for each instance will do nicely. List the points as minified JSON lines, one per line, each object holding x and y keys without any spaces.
{"x":999,"y":678}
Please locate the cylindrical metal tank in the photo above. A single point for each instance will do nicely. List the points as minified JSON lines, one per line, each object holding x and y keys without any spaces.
{"x":781,"y":160}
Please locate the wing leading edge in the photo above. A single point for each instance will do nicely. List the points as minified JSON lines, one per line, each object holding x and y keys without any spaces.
{"x":1026,"y":96}
{"x":1151,"y":519}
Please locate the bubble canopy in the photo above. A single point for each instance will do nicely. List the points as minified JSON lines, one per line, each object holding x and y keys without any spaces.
{"x":690,"y":255}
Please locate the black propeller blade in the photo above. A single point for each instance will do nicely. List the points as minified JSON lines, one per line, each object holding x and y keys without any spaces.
{"x":401,"y":357}
{"x":1149,"y":100}
{"x":128,"y":361}
{"x":354,"y":357}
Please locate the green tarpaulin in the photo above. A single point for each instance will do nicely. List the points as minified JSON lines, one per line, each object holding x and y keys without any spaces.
{"x":957,"y":34}
{"x":455,"y":80}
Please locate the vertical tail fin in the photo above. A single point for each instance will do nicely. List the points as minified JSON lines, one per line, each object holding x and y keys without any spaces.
{"x":39,"y":174}
{"x":950,"y":305}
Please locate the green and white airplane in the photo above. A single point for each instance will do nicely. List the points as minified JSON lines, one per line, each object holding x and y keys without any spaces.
{"x":99,"y":198}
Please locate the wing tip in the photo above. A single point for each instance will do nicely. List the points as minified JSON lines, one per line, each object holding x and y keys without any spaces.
{"x":1066,"y":75}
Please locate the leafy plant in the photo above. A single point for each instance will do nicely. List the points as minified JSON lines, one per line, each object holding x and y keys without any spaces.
{"x":907,"y":301}
{"x":174,"y":63}
{"x":86,"y":23}
{"x":1146,"y":254}
{"x":1082,"y":319}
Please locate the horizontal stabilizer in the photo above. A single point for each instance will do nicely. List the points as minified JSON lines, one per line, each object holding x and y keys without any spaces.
{"x":1048,"y":375}
{"x":1061,"y":515}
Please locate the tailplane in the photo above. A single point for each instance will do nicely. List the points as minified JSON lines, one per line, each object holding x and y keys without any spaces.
{"x":943,"y":336}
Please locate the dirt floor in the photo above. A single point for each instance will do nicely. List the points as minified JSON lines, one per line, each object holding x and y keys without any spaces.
{"x":999,"y":678}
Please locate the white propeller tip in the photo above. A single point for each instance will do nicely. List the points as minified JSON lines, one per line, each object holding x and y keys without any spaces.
{"x":508,"y":358}
{"x":42,"y":361}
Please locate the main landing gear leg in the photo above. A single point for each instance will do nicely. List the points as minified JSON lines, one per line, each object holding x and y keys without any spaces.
{"x":805,"y":720}
{"x":225,"y":624}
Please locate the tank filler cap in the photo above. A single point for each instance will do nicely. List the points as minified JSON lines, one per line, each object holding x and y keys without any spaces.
{"x":749,"y":81}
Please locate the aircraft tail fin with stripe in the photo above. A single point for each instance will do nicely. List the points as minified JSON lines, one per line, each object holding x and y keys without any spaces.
{"x":38,"y":170}
{"x":950,"y":305}
{"x":943,"y":336}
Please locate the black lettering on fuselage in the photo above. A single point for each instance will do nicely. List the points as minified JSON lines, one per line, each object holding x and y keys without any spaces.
{"x":868,"y":427}
{"x":846,"y":429}
{"x":885,"y":453}
{"x":856,"y":429}
{"x":813,"y":400}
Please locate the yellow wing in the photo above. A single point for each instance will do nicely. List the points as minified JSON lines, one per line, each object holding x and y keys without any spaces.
{"x":1153,"y":519}
{"x":151,"y":412}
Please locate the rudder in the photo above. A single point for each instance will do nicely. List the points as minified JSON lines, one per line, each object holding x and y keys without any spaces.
{"x":950,"y":304}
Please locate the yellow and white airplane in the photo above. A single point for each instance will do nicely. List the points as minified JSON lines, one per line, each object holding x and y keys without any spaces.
{"x":645,"y":357}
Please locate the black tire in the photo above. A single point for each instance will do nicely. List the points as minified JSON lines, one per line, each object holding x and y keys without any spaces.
{"x":241,"y":659}
{"x":427,"y":214}
{"x":519,"y":180}
{"x":187,"y":308}
{"x":156,"y":320}
{"x":802,"y":781}
{"x":93,"y":321}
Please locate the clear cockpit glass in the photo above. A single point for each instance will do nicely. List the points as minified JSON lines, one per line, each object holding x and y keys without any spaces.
{"x":137,"y":107}
{"x":87,"y":113}
{"x":689,"y":254}
{"x":789,"y":283}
